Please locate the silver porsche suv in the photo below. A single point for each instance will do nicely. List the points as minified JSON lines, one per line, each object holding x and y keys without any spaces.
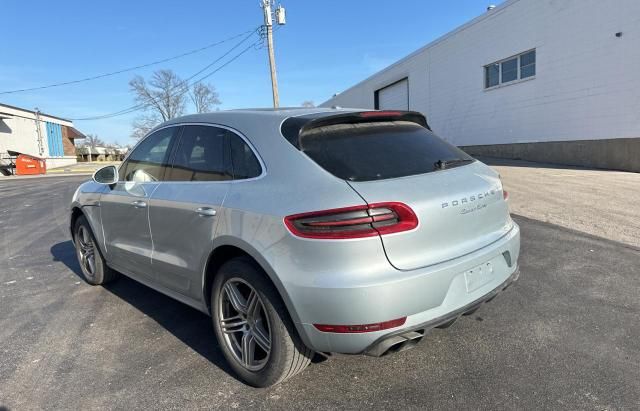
{"x":302,"y":231}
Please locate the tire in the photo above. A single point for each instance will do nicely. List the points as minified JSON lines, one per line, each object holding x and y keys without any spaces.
{"x":265,"y":317}
{"x":94,"y":269}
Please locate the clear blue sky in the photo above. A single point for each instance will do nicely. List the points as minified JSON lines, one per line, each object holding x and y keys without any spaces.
{"x":325,"y":47}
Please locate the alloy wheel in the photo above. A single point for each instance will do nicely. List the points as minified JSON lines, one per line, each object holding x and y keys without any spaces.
{"x":244,"y":324}
{"x":86,"y":251}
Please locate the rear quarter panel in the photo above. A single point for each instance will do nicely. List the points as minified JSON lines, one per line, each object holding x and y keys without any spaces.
{"x":253,"y":220}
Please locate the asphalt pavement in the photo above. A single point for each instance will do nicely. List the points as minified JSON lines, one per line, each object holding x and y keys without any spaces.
{"x":566,"y":335}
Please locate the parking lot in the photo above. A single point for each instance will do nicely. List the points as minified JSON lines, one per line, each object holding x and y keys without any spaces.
{"x":566,"y":335}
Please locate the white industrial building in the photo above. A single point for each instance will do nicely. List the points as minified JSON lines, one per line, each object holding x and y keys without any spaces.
{"x":37,"y":134}
{"x":543,"y":80}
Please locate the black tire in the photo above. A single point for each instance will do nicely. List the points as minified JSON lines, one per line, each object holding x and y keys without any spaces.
{"x":288,"y":355}
{"x":85,"y":243}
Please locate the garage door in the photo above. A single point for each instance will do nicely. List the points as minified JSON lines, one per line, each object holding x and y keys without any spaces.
{"x":394,"y":96}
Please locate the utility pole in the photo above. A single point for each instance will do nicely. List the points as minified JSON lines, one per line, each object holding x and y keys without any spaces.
{"x":268,"y":22}
{"x":39,"y":133}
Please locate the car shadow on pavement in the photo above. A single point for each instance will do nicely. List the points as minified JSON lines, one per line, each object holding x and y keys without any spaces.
{"x":65,"y":252}
{"x":189,"y":325}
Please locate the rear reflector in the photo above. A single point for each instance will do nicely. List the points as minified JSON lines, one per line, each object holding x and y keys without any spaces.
{"x":361,"y":328}
{"x":505,"y":193}
{"x":353,"y":222}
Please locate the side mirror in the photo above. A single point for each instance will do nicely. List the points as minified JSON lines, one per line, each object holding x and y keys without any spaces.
{"x":106,"y":175}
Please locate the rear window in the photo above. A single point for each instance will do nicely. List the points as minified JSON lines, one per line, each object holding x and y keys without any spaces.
{"x":377,"y":151}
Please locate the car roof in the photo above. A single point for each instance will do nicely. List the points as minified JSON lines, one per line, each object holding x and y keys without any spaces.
{"x":278,"y":114}
{"x":288,"y":121}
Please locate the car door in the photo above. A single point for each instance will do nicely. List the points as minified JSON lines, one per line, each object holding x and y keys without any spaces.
{"x":184,"y":210}
{"x":124,"y":205}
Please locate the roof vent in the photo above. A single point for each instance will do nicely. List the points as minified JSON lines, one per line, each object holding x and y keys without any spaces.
{"x":491,"y":7}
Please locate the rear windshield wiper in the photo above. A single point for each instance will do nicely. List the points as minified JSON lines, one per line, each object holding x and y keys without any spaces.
{"x":444,"y":164}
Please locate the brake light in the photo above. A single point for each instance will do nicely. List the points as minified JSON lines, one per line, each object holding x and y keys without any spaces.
{"x":361,"y":328}
{"x":353,"y":222}
{"x":370,"y":114}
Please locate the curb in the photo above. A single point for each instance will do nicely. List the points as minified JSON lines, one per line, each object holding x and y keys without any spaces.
{"x":58,"y":175}
{"x":66,"y":171}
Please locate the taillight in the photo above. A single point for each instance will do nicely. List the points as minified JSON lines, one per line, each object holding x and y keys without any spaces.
{"x":353,"y":222}
{"x":361,"y":328}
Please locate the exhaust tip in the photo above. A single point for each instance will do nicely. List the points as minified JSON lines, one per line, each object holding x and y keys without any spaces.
{"x":396,"y":343}
{"x":402,"y":346}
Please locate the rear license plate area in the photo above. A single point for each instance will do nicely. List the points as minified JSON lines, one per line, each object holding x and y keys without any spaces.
{"x":479,"y":276}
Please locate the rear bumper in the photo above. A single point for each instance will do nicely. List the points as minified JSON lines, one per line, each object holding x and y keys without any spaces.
{"x":402,"y":339}
{"x":428,"y":297}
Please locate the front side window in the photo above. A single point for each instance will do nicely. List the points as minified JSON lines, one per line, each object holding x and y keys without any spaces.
{"x":150,"y":158}
{"x":508,"y":70}
{"x":201,"y":155}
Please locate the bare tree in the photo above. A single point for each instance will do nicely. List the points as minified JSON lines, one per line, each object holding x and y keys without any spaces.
{"x":308,"y":103}
{"x":204,"y":97}
{"x":144,"y":123}
{"x":163,"y":98}
{"x":92,"y":140}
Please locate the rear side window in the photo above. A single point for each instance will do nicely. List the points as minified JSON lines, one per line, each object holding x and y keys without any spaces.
{"x":201,"y":155}
{"x":243,"y":161}
{"x":377,"y":151}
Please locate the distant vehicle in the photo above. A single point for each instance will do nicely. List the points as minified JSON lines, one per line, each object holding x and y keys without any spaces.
{"x":302,"y":231}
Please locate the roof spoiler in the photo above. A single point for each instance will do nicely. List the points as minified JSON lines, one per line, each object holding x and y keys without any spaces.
{"x":367,"y":117}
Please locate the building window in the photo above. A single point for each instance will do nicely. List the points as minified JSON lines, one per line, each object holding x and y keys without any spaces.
{"x":528,"y":64}
{"x":492,"y":75}
{"x":509,"y":70}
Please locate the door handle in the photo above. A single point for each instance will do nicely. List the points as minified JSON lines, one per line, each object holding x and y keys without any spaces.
{"x":139,"y":204}
{"x":206,"y":211}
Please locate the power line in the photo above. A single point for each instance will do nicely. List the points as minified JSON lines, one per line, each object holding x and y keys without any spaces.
{"x":184,"y":83}
{"x":229,"y":61}
{"x":113,"y":73}
{"x":181,"y":85}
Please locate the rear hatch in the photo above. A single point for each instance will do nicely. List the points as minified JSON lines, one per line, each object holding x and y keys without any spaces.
{"x":459,"y":211}
{"x":394,"y":157}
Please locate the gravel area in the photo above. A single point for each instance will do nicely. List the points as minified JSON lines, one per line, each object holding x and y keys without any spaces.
{"x":598,"y":202}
